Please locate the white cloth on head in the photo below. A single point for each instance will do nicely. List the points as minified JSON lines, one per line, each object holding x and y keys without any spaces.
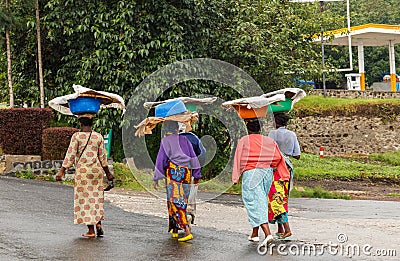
{"x":60,"y":104}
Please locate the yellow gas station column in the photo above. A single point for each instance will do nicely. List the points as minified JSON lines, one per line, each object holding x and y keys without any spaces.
{"x":361,"y":69}
{"x":392,"y":67}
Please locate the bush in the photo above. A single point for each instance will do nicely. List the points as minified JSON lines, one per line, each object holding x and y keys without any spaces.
{"x":21,"y":130}
{"x":56,"y":141}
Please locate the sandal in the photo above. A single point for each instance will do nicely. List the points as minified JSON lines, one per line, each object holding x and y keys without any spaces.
{"x":285,"y":236}
{"x":267,"y":241}
{"x":186,"y":238}
{"x":254,"y":239}
{"x":174,"y":235}
{"x":99,"y":230}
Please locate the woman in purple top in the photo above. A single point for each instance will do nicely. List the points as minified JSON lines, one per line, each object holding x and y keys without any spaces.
{"x":177,"y":162}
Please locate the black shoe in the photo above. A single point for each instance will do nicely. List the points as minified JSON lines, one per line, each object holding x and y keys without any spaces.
{"x":110,"y":186}
{"x":99,"y":231}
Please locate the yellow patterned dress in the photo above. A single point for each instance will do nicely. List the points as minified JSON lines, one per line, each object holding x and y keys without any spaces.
{"x":88,"y":179}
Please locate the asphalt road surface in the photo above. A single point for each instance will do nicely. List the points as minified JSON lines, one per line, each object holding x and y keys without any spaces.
{"x":36,"y":223}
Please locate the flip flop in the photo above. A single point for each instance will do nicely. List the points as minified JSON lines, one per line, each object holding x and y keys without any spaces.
{"x":285,"y":239}
{"x":254,"y":239}
{"x":174,"y":235}
{"x":267,"y":241}
{"x":186,"y":238}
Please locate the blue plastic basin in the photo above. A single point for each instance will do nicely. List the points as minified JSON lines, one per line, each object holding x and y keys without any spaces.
{"x":170,"y":108}
{"x":84,"y":105}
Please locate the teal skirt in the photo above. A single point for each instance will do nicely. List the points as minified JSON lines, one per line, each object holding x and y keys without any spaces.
{"x":255,"y":188}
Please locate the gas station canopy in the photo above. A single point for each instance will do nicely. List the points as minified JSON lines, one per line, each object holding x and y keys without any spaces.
{"x":367,"y":35}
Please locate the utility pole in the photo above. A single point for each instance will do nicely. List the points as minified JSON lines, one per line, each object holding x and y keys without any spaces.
{"x":321,"y":9}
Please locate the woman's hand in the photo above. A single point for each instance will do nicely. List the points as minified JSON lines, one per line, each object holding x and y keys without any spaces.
{"x":155,"y":184}
{"x":196,"y":181}
{"x":60,"y":174}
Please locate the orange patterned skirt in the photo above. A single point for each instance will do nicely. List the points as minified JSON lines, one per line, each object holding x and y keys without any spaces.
{"x":88,"y":195}
{"x":178,"y":190}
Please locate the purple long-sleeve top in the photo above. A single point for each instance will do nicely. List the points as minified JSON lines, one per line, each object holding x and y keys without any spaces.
{"x":177,"y":149}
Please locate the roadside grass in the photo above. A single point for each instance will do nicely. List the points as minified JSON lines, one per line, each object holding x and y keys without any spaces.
{"x":389,"y":158}
{"x":27,"y":174}
{"x":124,"y":178}
{"x":376,"y":166}
{"x":317,"y":192}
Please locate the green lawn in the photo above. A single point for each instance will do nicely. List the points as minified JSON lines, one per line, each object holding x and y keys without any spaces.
{"x":375,"y":166}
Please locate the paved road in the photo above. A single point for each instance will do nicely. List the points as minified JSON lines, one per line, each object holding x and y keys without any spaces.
{"x":36,"y":222}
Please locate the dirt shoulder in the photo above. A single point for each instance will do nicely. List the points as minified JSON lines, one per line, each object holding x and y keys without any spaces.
{"x":359,"y":189}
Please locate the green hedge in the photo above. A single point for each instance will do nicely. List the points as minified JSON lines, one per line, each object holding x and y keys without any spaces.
{"x":21,"y":130}
{"x":56,"y":141}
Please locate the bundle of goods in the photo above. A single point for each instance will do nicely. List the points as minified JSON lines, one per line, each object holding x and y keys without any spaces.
{"x":182,"y":109}
{"x":86,"y":101}
{"x":190,"y":103}
{"x":174,"y":110}
{"x":253,"y":107}
{"x":292,"y":95}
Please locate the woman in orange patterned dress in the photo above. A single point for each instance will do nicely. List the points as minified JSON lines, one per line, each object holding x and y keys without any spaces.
{"x":87,"y":152}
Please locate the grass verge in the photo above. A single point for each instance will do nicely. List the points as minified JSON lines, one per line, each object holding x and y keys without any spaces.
{"x":317,"y":192}
{"x":375,"y":167}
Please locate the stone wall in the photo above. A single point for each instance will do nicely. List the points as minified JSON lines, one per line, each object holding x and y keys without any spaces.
{"x":346,"y":135}
{"x":12,"y":164}
{"x":6,"y":161}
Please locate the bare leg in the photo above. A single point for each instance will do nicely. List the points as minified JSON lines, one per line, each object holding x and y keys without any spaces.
{"x":255,"y":232}
{"x":281,"y":231}
{"x":287,"y":233}
{"x":265,"y":228}
{"x":90,"y":233}
{"x":187,"y":231}
{"x":268,"y":237}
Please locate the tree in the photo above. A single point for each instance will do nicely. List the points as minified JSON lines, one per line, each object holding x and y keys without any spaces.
{"x":12,"y":18}
{"x":39,"y":54}
{"x":9,"y":58}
